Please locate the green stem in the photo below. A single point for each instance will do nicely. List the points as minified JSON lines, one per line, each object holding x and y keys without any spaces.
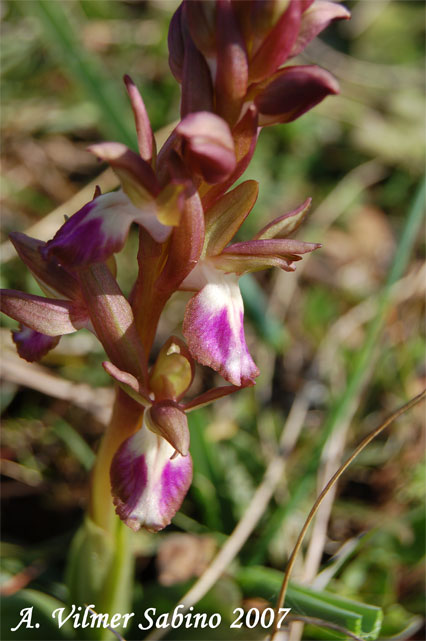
{"x":125,"y":420}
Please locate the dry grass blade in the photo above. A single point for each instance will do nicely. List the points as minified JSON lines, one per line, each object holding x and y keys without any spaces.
{"x":328,"y":487}
{"x":96,"y":401}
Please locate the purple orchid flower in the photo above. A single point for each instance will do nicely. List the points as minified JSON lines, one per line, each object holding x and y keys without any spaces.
{"x":214,"y":317}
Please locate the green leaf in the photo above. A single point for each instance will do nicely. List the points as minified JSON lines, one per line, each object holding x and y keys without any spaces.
{"x":100,"y":567}
{"x":41,"y":608}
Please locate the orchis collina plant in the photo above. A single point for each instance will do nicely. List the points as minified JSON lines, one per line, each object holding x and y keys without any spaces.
{"x":228,"y":57}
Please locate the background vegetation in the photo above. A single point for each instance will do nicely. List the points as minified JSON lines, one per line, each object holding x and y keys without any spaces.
{"x":339,"y":343}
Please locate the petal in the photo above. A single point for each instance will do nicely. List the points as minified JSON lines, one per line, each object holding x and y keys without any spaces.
{"x":148,"y":485}
{"x":45,"y":315}
{"x":32,"y":345}
{"x":285,"y":225}
{"x":277,"y":45}
{"x":214,"y":329}
{"x":146,"y":140}
{"x":292,"y":92}
{"x":54,"y":279}
{"x":209,"y":148}
{"x":100,"y":229}
{"x":315,"y":19}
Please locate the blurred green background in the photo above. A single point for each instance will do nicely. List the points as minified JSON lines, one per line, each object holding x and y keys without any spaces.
{"x":338,"y":348}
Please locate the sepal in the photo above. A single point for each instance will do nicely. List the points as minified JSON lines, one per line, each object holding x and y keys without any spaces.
{"x":54,"y":279}
{"x":226,"y":216}
{"x":146,"y":140}
{"x":45,"y":315}
{"x":291,"y":92}
{"x":285,"y":225}
{"x":315,"y":19}
{"x":136,"y":175}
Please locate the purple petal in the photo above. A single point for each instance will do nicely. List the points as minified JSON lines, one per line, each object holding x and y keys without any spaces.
{"x":100,"y":229}
{"x":32,"y":345}
{"x":214,"y":329}
{"x":292,"y":92}
{"x":148,"y":482}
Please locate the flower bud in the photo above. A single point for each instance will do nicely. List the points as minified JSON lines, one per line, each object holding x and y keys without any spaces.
{"x":168,"y":421}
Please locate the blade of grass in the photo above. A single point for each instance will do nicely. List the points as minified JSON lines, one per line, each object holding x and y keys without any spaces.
{"x":61,"y":33}
{"x":358,"y":618}
{"x":75,"y":443}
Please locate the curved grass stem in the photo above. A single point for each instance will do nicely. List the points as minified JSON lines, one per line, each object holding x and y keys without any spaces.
{"x":325,"y":491}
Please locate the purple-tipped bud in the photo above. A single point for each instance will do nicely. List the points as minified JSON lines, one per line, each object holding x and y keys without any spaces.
{"x":208,"y":148}
{"x":167,"y":420}
{"x":292,"y":92}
